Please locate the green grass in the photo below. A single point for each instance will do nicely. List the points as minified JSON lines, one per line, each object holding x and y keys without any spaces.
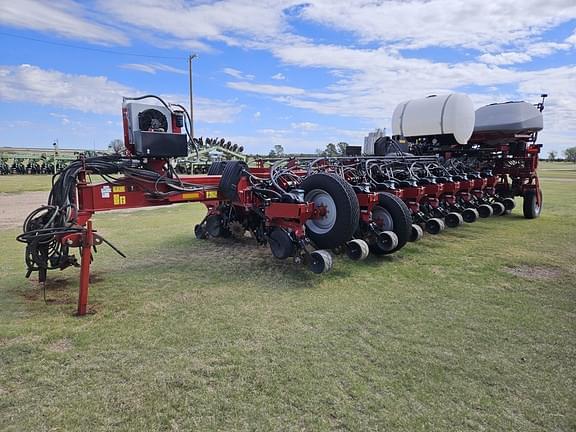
{"x":25,"y":183}
{"x":216,"y":335}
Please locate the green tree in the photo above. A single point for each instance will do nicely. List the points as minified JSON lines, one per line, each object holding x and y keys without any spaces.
{"x":277,"y":151}
{"x":552,"y":156}
{"x":341,"y":148}
{"x":570,"y":154}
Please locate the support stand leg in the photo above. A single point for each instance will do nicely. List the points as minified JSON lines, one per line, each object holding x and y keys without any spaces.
{"x":87,"y":242}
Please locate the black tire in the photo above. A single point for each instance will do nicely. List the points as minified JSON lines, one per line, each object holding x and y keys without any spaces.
{"x":416,"y":233}
{"x":485,"y":210}
{"x":217,"y":168}
{"x":233,"y":171}
{"x":470,"y":215}
{"x":280,"y":243}
{"x":345,"y":203}
{"x":498,"y":208}
{"x":531,"y":208}
{"x":509,"y":204}
{"x":435,"y":226}
{"x":200,"y":232}
{"x":401,"y":221}
{"x":453,"y":220}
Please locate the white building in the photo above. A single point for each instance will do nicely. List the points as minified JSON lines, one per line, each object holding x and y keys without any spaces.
{"x":371,"y":139}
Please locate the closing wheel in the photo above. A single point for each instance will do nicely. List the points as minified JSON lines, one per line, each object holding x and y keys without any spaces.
{"x":470,"y":215}
{"x":392,"y":214}
{"x":214,"y":225}
{"x":320,"y":261}
{"x":337,"y":208}
{"x":509,"y":203}
{"x":281,"y":243}
{"x":453,"y":220}
{"x":532,"y":204}
{"x":498,"y":208}
{"x":485,"y":210}
{"x":386,"y":242}
{"x":200,"y":232}
{"x":416,"y":233}
{"x":435,"y":226}
{"x":357,"y":250}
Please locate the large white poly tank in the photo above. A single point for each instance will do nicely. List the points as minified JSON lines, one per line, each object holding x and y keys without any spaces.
{"x":451,"y":116}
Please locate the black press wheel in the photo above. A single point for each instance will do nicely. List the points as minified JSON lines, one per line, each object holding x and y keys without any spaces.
{"x":485,"y":210}
{"x":470,"y":215}
{"x":532,"y":204}
{"x":357,"y":250}
{"x":391,"y":214}
{"x":416,"y":233}
{"x":453,"y":220}
{"x":498,"y":208}
{"x":320,"y":261}
{"x":435,"y":226}
{"x":509,"y":204}
{"x":337,"y":207}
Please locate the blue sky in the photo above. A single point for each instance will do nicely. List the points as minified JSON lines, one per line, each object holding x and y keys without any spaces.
{"x":276,"y":72}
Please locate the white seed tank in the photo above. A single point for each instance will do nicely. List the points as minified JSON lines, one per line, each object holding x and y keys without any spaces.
{"x":449,"y":117}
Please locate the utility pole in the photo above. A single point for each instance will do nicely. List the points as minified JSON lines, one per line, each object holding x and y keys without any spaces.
{"x":55,"y":144}
{"x":190,"y":58}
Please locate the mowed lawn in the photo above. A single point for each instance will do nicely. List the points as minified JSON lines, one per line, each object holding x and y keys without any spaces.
{"x":474,"y":329}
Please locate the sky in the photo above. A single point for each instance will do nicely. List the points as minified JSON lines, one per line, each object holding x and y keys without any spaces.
{"x":277,"y":71}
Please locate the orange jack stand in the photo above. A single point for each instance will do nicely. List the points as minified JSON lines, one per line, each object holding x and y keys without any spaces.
{"x":87,"y":243}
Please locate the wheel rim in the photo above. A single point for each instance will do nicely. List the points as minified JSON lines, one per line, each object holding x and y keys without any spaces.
{"x":326,"y":221}
{"x":382,"y":218}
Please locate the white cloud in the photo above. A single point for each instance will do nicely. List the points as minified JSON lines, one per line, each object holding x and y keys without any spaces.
{"x":257,"y":114}
{"x":64,"y":17}
{"x":267,"y":89}
{"x":152,"y":68}
{"x":471,"y":23}
{"x":505,"y":58}
{"x":235,"y":73}
{"x":279,"y":77}
{"x":94,"y":94}
{"x":223,"y":21}
{"x":306,"y":126}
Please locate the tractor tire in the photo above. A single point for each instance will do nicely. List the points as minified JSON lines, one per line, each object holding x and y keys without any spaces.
{"x":216,"y":168}
{"x":531,"y":208}
{"x":342,"y":211}
{"x":233,"y":171}
{"x":396,"y":218}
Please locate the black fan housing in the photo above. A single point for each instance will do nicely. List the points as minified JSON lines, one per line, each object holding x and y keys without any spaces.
{"x":152,"y":120}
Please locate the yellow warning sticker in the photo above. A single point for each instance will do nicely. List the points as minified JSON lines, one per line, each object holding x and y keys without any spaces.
{"x":191,"y":195}
{"x":119,"y":199}
{"x":118,"y":189}
{"x":211,"y":194}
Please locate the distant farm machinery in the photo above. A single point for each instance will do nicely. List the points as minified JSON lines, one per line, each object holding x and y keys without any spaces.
{"x":443,"y":170}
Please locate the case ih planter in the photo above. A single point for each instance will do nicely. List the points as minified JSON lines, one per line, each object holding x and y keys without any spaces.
{"x":303,"y":208}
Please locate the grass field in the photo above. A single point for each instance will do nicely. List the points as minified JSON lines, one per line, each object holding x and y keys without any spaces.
{"x":474,"y":329}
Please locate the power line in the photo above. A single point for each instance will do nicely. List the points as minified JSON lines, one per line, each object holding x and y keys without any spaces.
{"x":62,"y":44}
